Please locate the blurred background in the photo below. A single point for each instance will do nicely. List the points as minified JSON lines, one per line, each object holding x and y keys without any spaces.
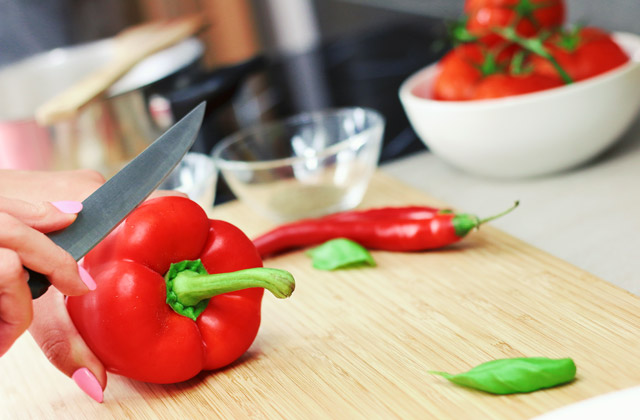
{"x":320,"y":53}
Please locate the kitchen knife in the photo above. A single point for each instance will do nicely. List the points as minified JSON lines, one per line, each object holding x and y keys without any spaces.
{"x":103,"y":210}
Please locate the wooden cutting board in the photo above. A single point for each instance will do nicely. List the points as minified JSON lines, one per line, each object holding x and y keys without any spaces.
{"x":358,"y":343}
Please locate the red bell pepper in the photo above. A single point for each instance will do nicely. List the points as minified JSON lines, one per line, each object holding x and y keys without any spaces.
{"x":156,"y":315}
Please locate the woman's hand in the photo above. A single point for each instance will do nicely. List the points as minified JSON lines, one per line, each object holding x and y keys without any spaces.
{"x":23,"y":244}
{"x":51,"y":326}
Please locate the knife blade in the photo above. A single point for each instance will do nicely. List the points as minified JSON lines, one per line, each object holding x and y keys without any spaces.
{"x":103,"y":210}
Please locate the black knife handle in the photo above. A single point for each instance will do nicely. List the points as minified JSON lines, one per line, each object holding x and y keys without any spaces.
{"x":38,"y":283}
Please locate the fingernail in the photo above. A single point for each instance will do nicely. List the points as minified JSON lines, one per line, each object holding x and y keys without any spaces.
{"x":86,"y":278}
{"x":71,"y":207}
{"x":88,"y":383}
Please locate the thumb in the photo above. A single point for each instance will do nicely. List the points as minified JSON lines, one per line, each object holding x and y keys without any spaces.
{"x":43,"y":216}
{"x":59,"y":340}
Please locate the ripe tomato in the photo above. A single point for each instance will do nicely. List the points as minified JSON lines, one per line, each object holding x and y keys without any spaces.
{"x":528,"y":16}
{"x":502,"y":85}
{"x":460,"y":71}
{"x":582,"y":54}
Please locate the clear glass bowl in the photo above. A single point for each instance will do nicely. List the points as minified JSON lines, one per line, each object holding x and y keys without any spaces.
{"x":304,"y":166}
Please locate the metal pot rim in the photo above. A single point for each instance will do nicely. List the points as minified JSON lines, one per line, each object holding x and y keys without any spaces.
{"x":31,"y":81}
{"x":159,"y":66}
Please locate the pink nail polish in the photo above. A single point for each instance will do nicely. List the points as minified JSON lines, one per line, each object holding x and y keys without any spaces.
{"x":88,"y":383}
{"x":71,"y":207}
{"x":86,"y":278}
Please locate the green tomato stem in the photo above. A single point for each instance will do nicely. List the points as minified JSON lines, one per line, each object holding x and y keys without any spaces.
{"x":535,"y":46}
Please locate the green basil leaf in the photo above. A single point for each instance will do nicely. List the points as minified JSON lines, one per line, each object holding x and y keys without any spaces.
{"x":516,"y":375}
{"x":340,"y":253}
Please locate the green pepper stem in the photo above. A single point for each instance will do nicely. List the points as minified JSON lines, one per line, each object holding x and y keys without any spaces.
{"x":464,"y":223}
{"x":495,"y":216}
{"x":189,"y":287}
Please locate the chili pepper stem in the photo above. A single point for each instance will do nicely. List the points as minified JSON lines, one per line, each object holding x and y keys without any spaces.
{"x":496,"y":216}
{"x":189,"y":286}
{"x":464,"y":223}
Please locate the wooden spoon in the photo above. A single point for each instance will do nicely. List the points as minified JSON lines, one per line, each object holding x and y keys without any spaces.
{"x":132,"y":46}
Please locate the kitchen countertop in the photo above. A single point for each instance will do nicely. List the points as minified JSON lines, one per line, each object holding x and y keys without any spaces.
{"x":587,"y":216}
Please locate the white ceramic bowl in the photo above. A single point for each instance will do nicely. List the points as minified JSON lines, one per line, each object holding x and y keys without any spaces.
{"x":532,"y":134}
{"x":304,"y":166}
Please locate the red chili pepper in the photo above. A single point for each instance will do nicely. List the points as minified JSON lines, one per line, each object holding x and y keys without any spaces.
{"x":156,"y":315}
{"x":385,"y":233}
{"x":405,"y":212}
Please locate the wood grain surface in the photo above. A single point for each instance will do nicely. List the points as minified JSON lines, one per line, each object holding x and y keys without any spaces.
{"x":358,"y":343}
